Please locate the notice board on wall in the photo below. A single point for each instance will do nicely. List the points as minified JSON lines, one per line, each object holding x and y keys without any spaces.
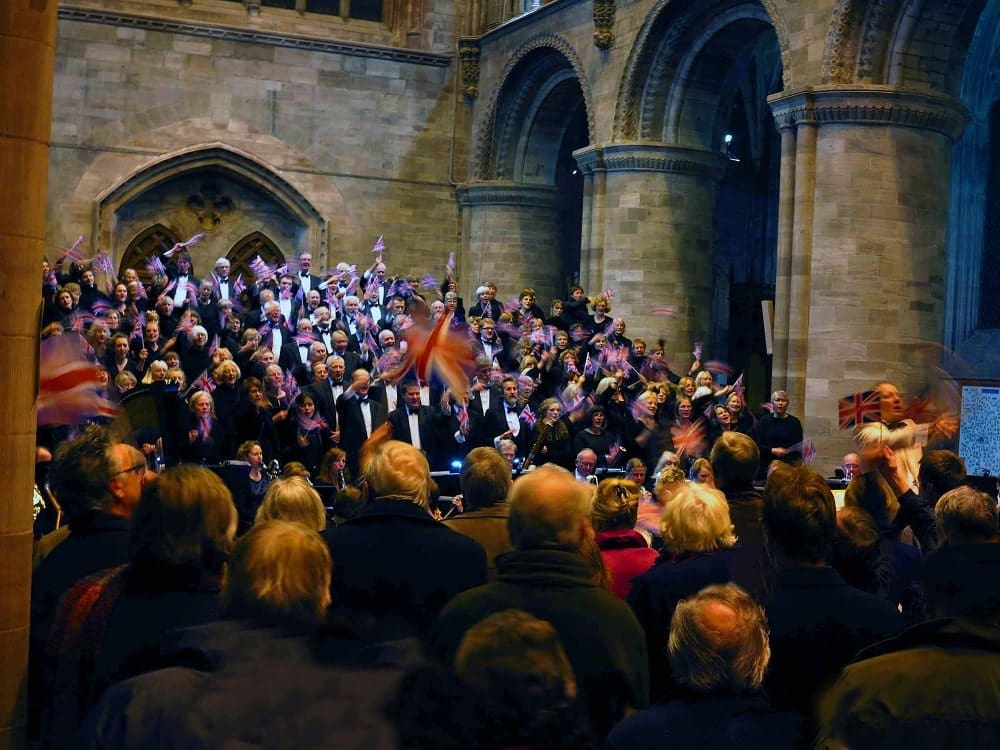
{"x":979,"y":428}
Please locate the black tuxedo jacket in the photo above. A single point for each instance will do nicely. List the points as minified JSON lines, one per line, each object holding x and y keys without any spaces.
{"x":496,"y":309}
{"x":495,"y":423}
{"x":352,"y":425}
{"x":314,"y":281}
{"x":476,"y":401}
{"x":290,"y":358}
{"x":322,"y":393}
{"x":433,"y":425}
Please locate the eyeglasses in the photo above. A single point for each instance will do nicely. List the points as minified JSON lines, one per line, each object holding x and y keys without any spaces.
{"x":138,"y":470}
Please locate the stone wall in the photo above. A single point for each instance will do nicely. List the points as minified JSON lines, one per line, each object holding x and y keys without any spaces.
{"x":369,"y":138}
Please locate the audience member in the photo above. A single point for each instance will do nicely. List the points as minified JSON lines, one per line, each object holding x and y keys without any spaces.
{"x":870,"y":562}
{"x":818,"y":622}
{"x":967,"y":516}
{"x":625,"y":551}
{"x":108,"y":625}
{"x":485,"y":481}
{"x":293,"y":499}
{"x":547,"y":576}
{"x":393,"y":564}
{"x":265,"y":674}
{"x":719,"y":651}
{"x":735,"y":459}
{"x":697,"y":551}
{"x":934,"y":685}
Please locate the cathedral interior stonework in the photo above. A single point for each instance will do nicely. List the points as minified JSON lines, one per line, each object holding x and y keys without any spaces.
{"x":809,"y":185}
{"x":830,"y":160}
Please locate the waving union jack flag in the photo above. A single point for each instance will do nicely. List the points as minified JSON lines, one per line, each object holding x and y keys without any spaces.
{"x":859,"y":408}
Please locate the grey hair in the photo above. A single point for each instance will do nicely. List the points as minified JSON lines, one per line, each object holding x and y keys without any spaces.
{"x":733,"y":659}
{"x":966,"y":515}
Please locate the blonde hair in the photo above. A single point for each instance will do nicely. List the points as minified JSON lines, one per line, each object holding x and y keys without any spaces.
{"x":668,"y":476}
{"x":615,"y":504}
{"x":398,"y":469}
{"x":278,"y":569}
{"x":226,"y":364}
{"x":697,"y":520}
{"x":202,"y":396}
{"x":293,"y":499}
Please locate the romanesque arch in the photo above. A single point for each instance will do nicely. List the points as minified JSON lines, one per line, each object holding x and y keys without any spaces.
{"x":216,"y":161}
{"x":971,"y":230}
{"x":672,"y":46}
{"x":697,"y":82}
{"x":915,"y":44}
{"x":540,"y":88}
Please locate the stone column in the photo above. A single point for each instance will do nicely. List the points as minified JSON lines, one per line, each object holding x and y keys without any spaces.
{"x":867,"y":236}
{"x":786,"y":220}
{"x":27,"y":64}
{"x":656,"y":238}
{"x":511,"y":237}
{"x":591,"y":163}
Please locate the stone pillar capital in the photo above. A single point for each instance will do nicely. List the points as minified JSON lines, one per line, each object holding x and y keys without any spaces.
{"x":507,"y":194}
{"x":869,"y":105}
{"x":650,"y":157}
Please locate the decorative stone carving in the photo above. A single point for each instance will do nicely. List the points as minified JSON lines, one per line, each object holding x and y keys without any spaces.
{"x":488,"y":131}
{"x":657,"y":51}
{"x":604,"y":23}
{"x":650,"y":157}
{"x":468,"y":53}
{"x":209,"y":206}
{"x":507,"y":194}
{"x":839,"y":48}
{"x":875,"y":105}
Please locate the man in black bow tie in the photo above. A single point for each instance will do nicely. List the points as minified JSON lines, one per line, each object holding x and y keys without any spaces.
{"x":224,"y":288}
{"x":503,"y":421}
{"x":423,"y":427}
{"x":305,"y":277}
{"x":358,"y":416}
{"x":891,"y":451}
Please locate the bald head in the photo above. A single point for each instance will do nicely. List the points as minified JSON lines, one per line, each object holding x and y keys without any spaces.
{"x":548,"y":506}
{"x":718,"y":622}
{"x":719,"y":641}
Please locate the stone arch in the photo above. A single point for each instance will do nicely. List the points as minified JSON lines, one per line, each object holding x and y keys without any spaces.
{"x":968,"y":240}
{"x":917,"y":44}
{"x":669,"y":43}
{"x":235,"y":164}
{"x":249,"y":247}
{"x":544,"y":67}
{"x":152,"y":240}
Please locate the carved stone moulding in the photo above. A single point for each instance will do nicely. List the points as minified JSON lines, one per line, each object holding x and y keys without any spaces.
{"x":254,"y":36}
{"x":650,"y":157}
{"x":507,"y":194}
{"x":869,"y":104}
